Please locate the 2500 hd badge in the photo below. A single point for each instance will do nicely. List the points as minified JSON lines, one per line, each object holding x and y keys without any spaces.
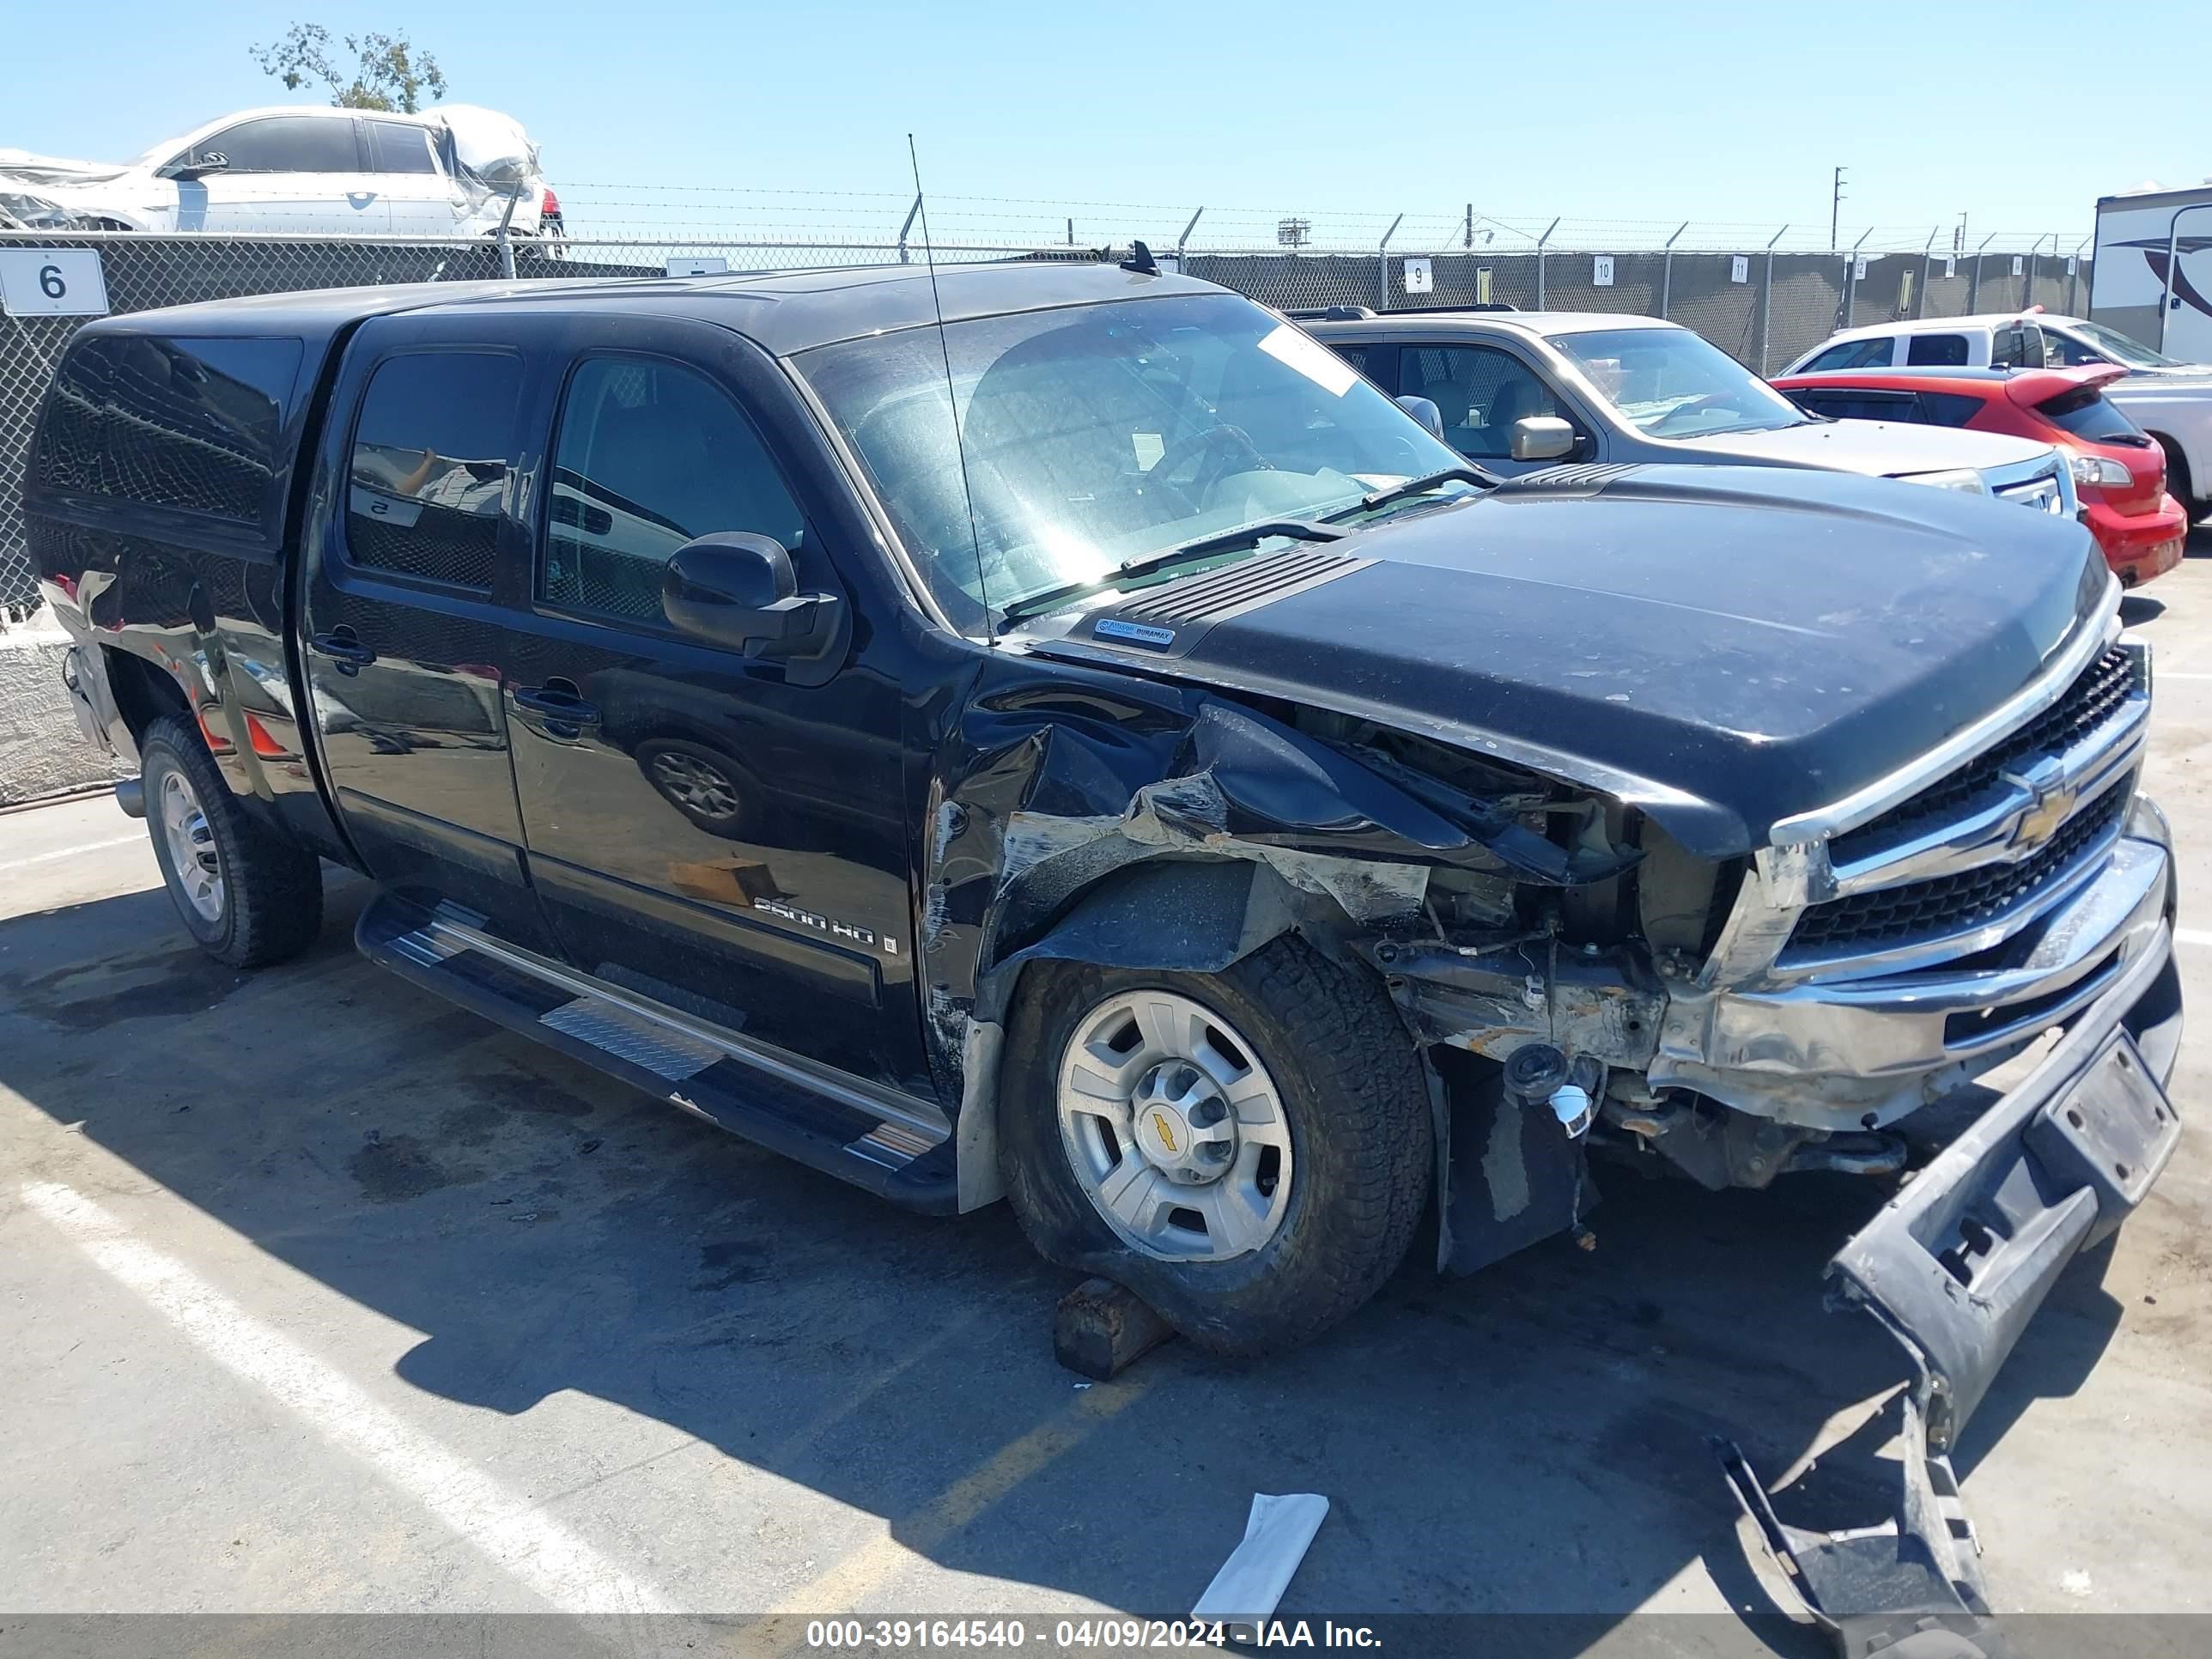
{"x":846,"y":930}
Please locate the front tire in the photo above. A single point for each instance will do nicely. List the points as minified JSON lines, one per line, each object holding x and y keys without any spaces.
{"x":249,"y":897}
{"x":1249,"y":1151}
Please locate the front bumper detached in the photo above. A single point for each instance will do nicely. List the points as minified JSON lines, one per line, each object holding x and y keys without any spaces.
{"x":1954,"y":1266}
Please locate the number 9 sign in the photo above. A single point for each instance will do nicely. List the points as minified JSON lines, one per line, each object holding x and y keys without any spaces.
{"x":52,"y":282}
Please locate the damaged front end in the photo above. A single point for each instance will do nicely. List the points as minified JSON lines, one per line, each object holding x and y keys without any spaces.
{"x":1122,"y":829}
{"x":1578,"y":981}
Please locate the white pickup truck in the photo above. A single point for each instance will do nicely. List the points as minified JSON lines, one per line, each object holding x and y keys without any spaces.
{"x":2170,"y":400}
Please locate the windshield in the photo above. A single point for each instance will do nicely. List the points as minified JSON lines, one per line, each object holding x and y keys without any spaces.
{"x":1093,"y":435}
{"x":1670,"y":383}
{"x":2118,"y":347}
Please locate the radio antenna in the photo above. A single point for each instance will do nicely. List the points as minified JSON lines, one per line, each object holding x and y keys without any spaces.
{"x":951,"y":397}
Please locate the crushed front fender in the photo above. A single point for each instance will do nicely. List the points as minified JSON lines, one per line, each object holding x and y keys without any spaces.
{"x":1954,"y":1266}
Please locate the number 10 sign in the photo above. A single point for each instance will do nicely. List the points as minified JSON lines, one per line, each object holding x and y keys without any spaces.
{"x":52,"y":282}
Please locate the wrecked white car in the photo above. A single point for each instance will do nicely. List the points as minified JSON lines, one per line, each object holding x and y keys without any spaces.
{"x":306,"y":170}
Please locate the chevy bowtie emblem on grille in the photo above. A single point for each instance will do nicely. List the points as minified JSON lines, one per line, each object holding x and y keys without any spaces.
{"x":2041,"y":822}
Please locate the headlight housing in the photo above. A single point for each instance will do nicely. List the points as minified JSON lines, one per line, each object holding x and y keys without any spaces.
{"x":2100,"y":472}
{"x":1964,"y":479}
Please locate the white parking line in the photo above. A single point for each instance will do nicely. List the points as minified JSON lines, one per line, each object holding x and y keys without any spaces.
{"x":2191,"y":936}
{"x":568,"y":1573}
{"x":71,"y":852}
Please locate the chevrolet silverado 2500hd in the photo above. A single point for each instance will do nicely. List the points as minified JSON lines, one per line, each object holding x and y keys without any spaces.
{"x":1061,"y":733}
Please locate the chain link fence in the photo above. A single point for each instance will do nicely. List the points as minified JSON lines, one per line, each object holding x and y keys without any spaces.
{"x":1764,"y":307}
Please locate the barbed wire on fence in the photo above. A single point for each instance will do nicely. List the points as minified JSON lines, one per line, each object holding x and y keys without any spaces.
{"x":642,"y":211}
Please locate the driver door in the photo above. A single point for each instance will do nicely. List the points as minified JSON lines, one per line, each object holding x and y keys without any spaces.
{"x":1480,"y":391}
{"x":283,"y":175}
{"x":715,"y":831}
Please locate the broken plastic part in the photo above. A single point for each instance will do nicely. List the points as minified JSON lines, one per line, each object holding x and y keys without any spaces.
{"x":1571,"y":1106}
{"x":1873,"y":1587}
{"x":1954,"y":1266}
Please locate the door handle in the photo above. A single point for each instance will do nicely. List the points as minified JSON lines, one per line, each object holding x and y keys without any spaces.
{"x":349,"y":653}
{"x":556,"y":706}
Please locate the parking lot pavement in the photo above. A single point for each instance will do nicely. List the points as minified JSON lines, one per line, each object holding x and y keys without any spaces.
{"x":323,"y":1296}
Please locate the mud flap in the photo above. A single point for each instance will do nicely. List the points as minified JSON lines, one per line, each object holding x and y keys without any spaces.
{"x":1514,"y":1177}
{"x":1954,"y":1266}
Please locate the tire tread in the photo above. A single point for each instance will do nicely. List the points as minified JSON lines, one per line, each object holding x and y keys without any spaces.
{"x":273,"y":887}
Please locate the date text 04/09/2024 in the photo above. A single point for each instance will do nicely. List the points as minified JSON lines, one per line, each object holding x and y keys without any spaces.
{"x":905,"y":1635}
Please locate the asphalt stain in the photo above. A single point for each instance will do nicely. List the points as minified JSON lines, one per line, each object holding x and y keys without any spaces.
{"x":492,"y":1102}
{"x":392,"y":1169}
{"x":736,"y":1262}
{"x":158,"y":984}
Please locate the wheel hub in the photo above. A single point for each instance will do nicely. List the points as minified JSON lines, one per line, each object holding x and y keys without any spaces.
{"x":1181,"y":1125}
{"x":1174,"y":1128}
{"x":192,"y":850}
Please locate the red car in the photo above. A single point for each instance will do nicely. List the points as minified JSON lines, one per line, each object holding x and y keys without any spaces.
{"x":2119,"y":471}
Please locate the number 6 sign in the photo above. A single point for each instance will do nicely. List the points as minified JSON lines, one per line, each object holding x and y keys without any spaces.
{"x":52,"y":282}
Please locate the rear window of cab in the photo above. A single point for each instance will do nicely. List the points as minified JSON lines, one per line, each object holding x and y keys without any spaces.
{"x":190,"y":424}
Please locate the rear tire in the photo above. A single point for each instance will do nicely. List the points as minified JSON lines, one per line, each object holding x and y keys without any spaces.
{"x":2178,"y":483}
{"x":248,"y":896}
{"x":1317,"y":1045}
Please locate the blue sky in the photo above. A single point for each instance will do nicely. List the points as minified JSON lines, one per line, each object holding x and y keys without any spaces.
{"x":794,"y":116}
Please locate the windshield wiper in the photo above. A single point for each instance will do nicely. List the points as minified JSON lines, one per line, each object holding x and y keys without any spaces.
{"x":1474,"y":475}
{"x":1229,"y":541}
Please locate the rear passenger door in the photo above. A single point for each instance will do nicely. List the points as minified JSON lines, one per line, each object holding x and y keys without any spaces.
{"x":420,"y":201}
{"x":1937,"y":351}
{"x":402,"y":632}
{"x":716,"y":832}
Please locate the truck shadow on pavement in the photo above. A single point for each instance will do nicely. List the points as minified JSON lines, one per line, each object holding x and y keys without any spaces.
{"x":1533,"y":1439}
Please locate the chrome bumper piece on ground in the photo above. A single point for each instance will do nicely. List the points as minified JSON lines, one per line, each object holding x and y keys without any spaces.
{"x":1954,"y":1266}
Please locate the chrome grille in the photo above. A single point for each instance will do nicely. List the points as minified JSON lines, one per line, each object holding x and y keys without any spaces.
{"x":2041,"y":493}
{"x":2098,"y":697}
{"x":1954,"y":903}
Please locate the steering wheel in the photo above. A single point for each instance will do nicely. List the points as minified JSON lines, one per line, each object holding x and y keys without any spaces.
{"x":1232,"y":443}
{"x":1709,"y":400}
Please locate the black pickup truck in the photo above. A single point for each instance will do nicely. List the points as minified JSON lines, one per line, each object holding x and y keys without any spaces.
{"x":1058,"y":732}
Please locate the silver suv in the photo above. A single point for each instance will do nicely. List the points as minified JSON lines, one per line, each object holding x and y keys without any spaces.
{"x":1519,"y":390}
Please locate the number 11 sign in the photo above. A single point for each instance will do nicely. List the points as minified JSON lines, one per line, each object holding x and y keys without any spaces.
{"x":52,"y":282}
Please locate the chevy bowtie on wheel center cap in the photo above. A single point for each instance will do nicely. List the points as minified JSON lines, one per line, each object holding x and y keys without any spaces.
{"x":1183,"y":1127}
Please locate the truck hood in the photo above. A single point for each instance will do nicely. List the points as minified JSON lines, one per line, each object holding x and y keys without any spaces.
{"x":1718,"y":647}
{"x":1880,"y":449}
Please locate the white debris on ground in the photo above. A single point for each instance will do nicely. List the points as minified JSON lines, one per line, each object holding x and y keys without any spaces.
{"x":1258,"y":1571}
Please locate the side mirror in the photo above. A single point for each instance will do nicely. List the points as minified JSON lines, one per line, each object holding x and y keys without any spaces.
{"x":735,"y":589}
{"x":1425,"y":411}
{"x":1543,"y":438}
{"x":187,"y":172}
